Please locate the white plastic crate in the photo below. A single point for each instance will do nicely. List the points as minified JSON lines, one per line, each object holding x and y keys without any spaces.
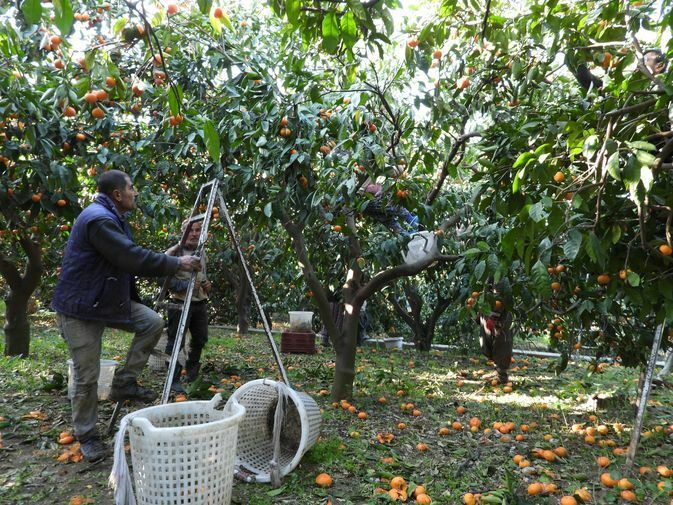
{"x":105,"y":376}
{"x":183,"y":453}
{"x":421,"y":245}
{"x":299,"y":433}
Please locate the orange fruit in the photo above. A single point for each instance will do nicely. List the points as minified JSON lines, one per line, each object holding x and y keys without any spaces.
{"x":362,"y":415}
{"x":443,"y":431}
{"x":628,"y":495}
{"x":98,"y":113}
{"x":422,"y":447}
{"x":535,"y":488}
{"x":437,"y":54}
{"x":602,"y":461}
{"x":172,"y":9}
{"x":561,"y":452}
{"x":665,"y":249}
{"x":336,"y":228}
{"x":423,"y":499}
{"x":559,"y":177}
{"x":398,"y":483}
{"x":664,"y":471}
{"x":584,"y":495}
{"x":217,"y":13}
{"x":110,"y":81}
{"x":401,"y":426}
{"x":568,"y":500}
{"x":61,"y":203}
{"x":457,"y":426}
{"x":324,"y":480}
{"x":69,"y":112}
{"x":603,"y":279}
{"x":460,"y":409}
{"x":518,"y":459}
{"x":90,"y":97}
{"x":625,"y":483}
{"x":469,"y":499}
{"x":607,"y":480}
{"x":36,"y":197}
{"x":555,"y":286}
{"x":416,"y":413}
{"x":420,"y":489}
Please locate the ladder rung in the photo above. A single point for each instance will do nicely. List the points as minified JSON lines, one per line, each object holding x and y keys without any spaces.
{"x":159,"y":354}
{"x":198,"y":217}
{"x":169,"y":305}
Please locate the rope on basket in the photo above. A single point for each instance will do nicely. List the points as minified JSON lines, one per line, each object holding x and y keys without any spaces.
{"x":120,"y":478}
{"x":274,"y":465}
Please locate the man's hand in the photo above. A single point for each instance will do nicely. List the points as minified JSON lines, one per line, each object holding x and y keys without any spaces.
{"x":206,"y":286}
{"x":172,"y":251}
{"x":190,"y":263}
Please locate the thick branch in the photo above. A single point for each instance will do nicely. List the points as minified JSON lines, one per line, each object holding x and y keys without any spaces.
{"x":310,"y":276}
{"x":631,"y":108}
{"x":385,"y":277}
{"x":10,"y":273}
{"x":460,"y":142}
{"x":665,"y":153}
{"x":404,"y":315}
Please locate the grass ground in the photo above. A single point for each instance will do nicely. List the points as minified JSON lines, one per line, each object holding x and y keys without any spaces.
{"x":444,"y":388}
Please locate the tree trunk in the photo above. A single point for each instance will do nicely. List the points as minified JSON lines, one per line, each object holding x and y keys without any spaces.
{"x":243,"y":307}
{"x":423,"y":340}
{"x":17,"y":327}
{"x":344,"y":371}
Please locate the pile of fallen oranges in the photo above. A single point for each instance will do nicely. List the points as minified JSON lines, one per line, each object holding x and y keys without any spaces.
{"x":400,"y":491}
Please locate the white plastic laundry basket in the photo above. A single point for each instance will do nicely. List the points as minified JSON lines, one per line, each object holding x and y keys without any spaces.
{"x":299,"y":432}
{"x":105,"y":376}
{"x":421,"y":245}
{"x":183,"y":453}
{"x":157,"y":363}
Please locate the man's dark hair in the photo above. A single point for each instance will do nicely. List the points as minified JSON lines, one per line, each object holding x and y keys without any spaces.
{"x":111,"y":180}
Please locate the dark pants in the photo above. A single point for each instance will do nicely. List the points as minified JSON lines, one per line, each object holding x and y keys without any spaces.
{"x":197,"y":324}
{"x":84,"y":339}
{"x":496,"y":340}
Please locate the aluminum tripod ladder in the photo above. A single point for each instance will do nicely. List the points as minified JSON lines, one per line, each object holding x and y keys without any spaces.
{"x":209,"y":193}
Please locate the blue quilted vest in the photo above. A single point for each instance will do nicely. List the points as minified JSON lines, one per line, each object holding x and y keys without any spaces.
{"x":89,"y":287}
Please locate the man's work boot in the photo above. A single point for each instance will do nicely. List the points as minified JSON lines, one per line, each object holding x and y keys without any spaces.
{"x":131,"y":391}
{"x":93,"y":449}
{"x":176,"y":387}
{"x":192,"y":372}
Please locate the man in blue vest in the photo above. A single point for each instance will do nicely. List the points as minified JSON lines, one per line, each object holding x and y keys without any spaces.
{"x":96,"y":289}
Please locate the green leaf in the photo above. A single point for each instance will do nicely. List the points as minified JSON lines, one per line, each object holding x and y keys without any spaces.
{"x":541,"y":278}
{"x":356,"y":7}
{"x":595,"y":250}
{"x":63,"y":16}
{"x":590,"y":146}
{"x":516,"y":183}
{"x":640,"y":145}
{"x":616,"y":233}
{"x":267,"y":210}
{"x":32,"y":11}
{"x":645,"y":158}
{"x":119,"y":25}
{"x":612,"y":167}
{"x":293,"y":10}
{"x":175,"y":101}
{"x":479,"y":270}
{"x":572,"y":246}
{"x":204,"y":6}
{"x":647,"y":177}
{"x":523,"y":158}
{"x":349,"y":30}
{"x":537,"y":212}
{"x":633,"y":278}
{"x":212,"y":140}
{"x":330,"y":32}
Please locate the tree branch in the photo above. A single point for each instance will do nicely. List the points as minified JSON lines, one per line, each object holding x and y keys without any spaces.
{"x":458,"y":144}
{"x":385,"y":277}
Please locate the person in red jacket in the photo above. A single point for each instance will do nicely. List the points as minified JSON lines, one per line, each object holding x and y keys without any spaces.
{"x":496,"y":341}
{"x":96,"y":289}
